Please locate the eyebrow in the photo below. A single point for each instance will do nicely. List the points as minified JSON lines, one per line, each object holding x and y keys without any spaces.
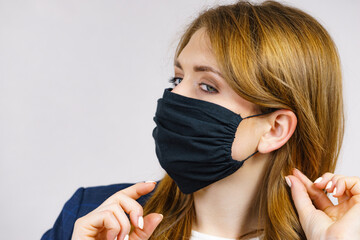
{"x":200,"y":68}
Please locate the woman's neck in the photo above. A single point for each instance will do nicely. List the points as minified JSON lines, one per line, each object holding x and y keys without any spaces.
{"x":227,"y":208}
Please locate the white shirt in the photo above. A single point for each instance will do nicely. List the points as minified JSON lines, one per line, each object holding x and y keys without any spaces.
{"x":201,"y":236}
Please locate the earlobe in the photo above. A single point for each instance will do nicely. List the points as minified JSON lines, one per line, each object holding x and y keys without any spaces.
{"x":282,"y":124}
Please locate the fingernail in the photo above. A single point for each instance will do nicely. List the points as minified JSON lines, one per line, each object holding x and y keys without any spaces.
{"x":162,"y":216}
{"x":328,"y":185}
{"x":126,"y":237}
{"x":318,"y":180}
{"x":150,"y":182}
{"x":334,"y":192}
{"x":288,"y":182}
{"x":141,"y":222}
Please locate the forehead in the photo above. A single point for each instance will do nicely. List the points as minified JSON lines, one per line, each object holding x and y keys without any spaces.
{"x":198,"y":50}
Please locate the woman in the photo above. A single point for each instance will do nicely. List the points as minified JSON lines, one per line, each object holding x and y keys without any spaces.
{"x":257,"y":95}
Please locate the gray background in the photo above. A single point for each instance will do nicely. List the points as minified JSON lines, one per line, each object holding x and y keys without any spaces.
{"x":79,"y":82}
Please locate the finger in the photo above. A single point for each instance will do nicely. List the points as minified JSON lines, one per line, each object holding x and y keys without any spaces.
{"x":307,"y":212}
{"x":93,"y":222}
{"x":322,"y":181}
{"x":330,"y":187}
{"x":135,"y":191}
{"x":340,"y":191}
{"x":344,"y":187}
{"x":151,"y":221}
{"x":139,"y":189}
{"x":133,"y":208}
{"x":319,"y":198}
{"x":111,"y":225}
{"x":301,"y":199}
{"x":352,"y":184}
{"x":125,"y":199}
{"x":121,"y":218}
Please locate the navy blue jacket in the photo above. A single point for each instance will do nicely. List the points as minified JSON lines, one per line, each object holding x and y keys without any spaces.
{"x":81,"y":203}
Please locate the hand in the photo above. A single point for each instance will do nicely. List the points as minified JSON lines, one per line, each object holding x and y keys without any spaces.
{"x":109,"y":220}
{"x":319,"y":217}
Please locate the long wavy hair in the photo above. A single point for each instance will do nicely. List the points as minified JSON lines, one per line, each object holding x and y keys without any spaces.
{"x":277,"y":57}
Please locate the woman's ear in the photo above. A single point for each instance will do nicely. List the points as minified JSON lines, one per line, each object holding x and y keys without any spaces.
{"x":282,"y":124}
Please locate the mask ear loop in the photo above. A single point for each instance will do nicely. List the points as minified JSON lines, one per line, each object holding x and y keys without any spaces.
{"x":250,"y":156}
{"x":252,"y":117}
{"x":257,"y":115}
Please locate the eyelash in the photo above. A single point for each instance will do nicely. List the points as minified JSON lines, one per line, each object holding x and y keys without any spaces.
{"x":173,"y":80}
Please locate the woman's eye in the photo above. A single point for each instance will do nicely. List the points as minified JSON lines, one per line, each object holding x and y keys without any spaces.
{"x":208,"y":88}
{"x":175,"y":81}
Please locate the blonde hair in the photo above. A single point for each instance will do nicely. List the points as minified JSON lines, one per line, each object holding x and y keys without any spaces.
{"x":277,"y":57}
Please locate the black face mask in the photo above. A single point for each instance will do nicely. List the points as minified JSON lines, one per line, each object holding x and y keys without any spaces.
{"x":193,"y":140}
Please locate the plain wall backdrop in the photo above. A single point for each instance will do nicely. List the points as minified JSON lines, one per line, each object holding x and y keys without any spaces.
{"x":79,"y":81}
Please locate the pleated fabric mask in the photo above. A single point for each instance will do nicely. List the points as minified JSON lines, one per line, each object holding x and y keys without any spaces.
{"x":193,"y":140}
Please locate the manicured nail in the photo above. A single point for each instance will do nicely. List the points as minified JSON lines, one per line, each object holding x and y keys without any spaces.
{"x":150,"y":182}
{"x":328,"y":185}
{"x":288,"y":182}
{"x":141,"y":222}
{"x":318,"y":180}
{"x":126,"y":237}
{"x":334,"y":192}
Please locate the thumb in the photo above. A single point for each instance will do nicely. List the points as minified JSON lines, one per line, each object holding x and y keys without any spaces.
{"x":151,"y":221}
{"x":314,"y":222}
{"x":302,"y":201}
